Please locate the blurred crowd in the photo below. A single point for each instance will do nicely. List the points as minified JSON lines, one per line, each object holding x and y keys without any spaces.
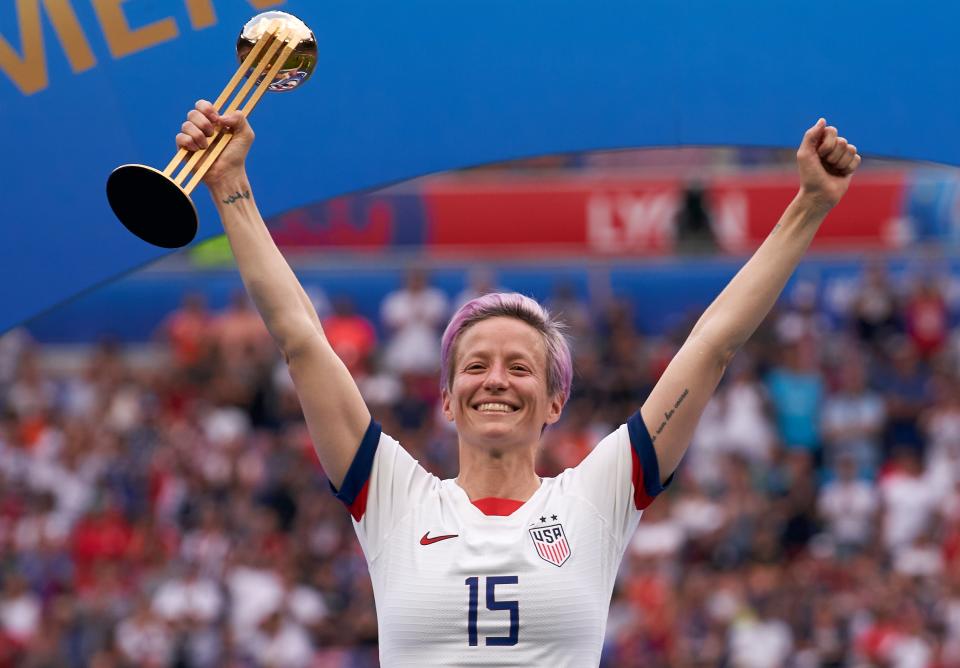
{"x":174,"y":513}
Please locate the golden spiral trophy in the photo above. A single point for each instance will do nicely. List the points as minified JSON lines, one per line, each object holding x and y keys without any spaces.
{"x":277,"y":52}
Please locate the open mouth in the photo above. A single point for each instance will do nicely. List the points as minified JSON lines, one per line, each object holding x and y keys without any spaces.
{"x":495,"y":407}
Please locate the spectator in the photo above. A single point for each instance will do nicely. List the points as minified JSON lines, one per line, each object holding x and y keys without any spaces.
{"x":853,"y":419}
{"x":20,"y":611}
{"x":102,"y":537}
{"x":849,"y":507}
{"x":351,"y":335}
{"x":744,"y":426}
{"x":279,"y":641}
{"x":909,"y":500}
{"x":907,"y":392}
{"x":191,"y":600}
{"x":13,"y":347}
{"x":875,"y":306}
{"x":760,"y":641}
{"x":187,"y":332}
{"x":414,"y":315}
{"x":481,"y":280}
{"x":143,"y":639}
{"x":803,"y":320}
{"x":796,"y":390}
{"x":208,"y":545}
{"x":574,"y":311}
{"x":926,"y":318}
{"x":239,"y":334}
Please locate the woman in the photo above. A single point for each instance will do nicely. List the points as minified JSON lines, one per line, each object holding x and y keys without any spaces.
{"x":499,"y":567}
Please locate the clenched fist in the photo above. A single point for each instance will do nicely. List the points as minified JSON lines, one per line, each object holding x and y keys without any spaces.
{"x":826,"y":162}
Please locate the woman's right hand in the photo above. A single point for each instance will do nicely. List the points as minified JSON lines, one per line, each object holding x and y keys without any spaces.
{"x":201,"y":124}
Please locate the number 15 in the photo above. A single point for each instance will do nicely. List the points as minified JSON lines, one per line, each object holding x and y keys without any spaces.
{"x":494,"y":605}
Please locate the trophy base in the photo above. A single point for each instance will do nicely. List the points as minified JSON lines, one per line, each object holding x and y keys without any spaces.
{"x":152,"y":206}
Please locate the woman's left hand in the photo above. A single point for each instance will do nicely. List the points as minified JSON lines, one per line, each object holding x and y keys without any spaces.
{"x":826,"y":162}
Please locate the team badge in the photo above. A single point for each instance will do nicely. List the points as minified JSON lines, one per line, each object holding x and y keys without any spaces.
{"x":551,"y":544}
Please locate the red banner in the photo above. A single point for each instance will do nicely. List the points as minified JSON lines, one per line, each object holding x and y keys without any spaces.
{"x":630,"y":216}
{"x":584,"y":215}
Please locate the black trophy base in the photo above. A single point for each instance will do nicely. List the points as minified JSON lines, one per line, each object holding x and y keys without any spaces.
{"x":152,"y":206}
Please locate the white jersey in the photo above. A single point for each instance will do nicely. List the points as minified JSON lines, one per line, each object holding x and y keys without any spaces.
{"x":496,"y":582}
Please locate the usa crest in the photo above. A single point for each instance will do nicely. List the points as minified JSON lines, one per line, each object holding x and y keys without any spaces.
{"x":551,"y":544}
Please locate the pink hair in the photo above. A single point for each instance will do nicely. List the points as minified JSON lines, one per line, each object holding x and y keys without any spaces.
{"x":511,"y":305}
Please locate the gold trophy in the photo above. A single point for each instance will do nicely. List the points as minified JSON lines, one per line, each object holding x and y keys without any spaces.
{"x":277,"y":52}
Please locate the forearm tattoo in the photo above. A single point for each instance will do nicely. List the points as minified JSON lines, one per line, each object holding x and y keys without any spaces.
{"x":669,"y":414}
{"x":237,"y":195}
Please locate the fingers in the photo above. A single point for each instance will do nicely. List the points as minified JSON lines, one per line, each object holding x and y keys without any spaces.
{"x":839,"y":150}
{"x":235,"y":122}
{"x":849,"y":156}
{"x":202,"y":122}
{"x":834,"y":151}
{"x":851,"y":161}
{"x":208,"y":110}
{"x":843,"y":160}
{"x":814,"y":134}
{"x":197,"y":136}
{"x":828,"y":143}
{"x":188,"y":142}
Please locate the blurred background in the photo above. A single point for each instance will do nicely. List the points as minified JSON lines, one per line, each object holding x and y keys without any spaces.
{"x":161,"y":505}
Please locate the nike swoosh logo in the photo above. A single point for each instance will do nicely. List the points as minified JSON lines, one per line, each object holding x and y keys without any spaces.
{"x":427,"y":540}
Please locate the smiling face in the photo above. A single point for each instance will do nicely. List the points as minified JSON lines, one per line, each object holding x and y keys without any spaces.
{"x":498,"y":396}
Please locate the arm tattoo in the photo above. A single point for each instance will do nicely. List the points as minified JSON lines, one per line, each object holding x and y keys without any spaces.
{"x":237,"y":195}
{"x":669,"y":414}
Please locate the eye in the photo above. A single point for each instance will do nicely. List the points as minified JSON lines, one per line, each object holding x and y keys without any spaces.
{"x":474,"y":366}
{"x":522,"y":368}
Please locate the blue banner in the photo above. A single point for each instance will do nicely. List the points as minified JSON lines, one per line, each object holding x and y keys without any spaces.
{"x":410,"y":88}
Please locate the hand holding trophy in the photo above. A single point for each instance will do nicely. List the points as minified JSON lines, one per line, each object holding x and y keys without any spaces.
{"x":278,"y":52}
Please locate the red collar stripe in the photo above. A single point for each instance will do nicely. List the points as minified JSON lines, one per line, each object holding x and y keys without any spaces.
{"x":493,"y":505}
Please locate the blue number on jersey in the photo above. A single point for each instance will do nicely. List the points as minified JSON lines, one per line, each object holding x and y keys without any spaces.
{"x":493,"y":605}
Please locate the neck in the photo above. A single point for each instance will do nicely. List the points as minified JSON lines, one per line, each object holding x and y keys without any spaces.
{"x":506,"y":475}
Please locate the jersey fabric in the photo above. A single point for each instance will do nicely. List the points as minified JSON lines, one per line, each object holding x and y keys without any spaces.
{"x":496,"y":582}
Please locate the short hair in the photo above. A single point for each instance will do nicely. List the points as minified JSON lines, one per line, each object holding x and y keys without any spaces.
{"x":525,"y":309}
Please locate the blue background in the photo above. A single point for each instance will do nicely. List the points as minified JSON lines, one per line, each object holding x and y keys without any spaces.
{"x":404,"y":89}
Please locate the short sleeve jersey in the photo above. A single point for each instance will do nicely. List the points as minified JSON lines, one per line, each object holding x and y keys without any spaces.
{"x":495,"y":582}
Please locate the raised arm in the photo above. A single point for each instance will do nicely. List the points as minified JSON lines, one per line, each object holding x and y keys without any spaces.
{"x":826,"y":163}
{"x":336,"y":414}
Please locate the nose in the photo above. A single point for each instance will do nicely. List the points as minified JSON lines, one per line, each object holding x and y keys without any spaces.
{"x":496,"y":378}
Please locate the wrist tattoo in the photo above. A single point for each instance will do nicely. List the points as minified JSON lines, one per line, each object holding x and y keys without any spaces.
{"x":237,"y":195}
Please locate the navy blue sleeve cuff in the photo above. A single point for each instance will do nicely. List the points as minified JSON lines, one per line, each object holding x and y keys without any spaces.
{"x":359,"y":472}
{"x":643,"y":446}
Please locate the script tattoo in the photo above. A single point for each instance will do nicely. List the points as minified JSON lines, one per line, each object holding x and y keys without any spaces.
{"x":237,"y":195}
{"x":669,"y":414}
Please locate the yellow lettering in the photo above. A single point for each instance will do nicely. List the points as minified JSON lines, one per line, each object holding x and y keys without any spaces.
{"x":121,"y":39}
{"x":266,"y":4}
{"x":29,"y":72}
{"x":201,"y":14}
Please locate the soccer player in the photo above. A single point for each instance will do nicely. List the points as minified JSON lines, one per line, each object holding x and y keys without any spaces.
{"x":499,"y":567}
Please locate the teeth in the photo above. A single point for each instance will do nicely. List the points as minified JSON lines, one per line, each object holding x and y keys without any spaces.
{"x":500,"y":408}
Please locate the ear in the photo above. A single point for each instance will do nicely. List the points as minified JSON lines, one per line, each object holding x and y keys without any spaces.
{"x":445,"y":404}
{"x":554,"y":409}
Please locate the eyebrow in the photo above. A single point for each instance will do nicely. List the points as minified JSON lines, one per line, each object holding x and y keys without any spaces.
{"x":485,"y":353}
